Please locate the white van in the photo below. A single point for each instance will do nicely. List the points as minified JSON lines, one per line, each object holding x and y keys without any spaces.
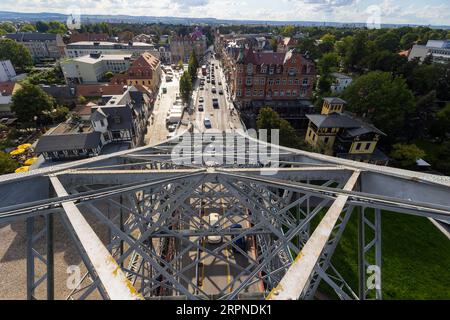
{"x":213,"y":218}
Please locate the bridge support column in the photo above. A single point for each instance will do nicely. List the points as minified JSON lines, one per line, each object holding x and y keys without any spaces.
{"x":369,"y":253}
{"x":33,"y":255}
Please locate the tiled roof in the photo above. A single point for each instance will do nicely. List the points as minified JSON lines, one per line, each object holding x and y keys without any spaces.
{"x":49,"y":143}
{"x":7,"y":88}
{"x":31,"y":36}
{"x":333,"y":120}
{"x":97,"y":90}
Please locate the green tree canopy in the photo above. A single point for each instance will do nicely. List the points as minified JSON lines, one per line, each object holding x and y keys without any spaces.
{"x":31,"y":101}
{"x":288,"y":31}
{"x":7,"y":165}
{"x":269,"y":119}
{"x":8,"y":27}
{"x":406,"y":154}
{"x":185,"y":87}
{"x":385,"y":99}
{"x":27,"y":27}
{"x":19,"y":55}
{"x":193,"y":65}
{"x":328,"y":63}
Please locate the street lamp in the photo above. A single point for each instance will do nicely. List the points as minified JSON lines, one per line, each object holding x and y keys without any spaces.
{"x":35,"y":118}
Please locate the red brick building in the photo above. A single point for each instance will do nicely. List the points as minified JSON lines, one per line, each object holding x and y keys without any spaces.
{"x":272,"y":76}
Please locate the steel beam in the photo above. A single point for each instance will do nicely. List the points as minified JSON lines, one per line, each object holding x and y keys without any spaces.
{"x":297,"y":277}
{"x":112,"y":277}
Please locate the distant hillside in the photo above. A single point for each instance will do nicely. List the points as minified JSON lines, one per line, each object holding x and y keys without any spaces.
{"x":46,"y":16}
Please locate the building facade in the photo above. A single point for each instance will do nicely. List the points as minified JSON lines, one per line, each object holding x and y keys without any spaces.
{"x":439,"y":50}
{"x":7,"y":72}
{"x":84,"y":48}
{"x":181,"y":47}
{"x":341,"y":82}
{"x":92,"y":68}
{"x":117,"y":119}
{"x":7,"y":90}
{"x":336,"y":133}
{"x":42,"y":46}
{"x":270,"y":76}
{"x":144,"y":71}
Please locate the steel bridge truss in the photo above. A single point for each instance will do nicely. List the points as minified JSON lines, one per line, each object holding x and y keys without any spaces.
{"x":138,"y":221}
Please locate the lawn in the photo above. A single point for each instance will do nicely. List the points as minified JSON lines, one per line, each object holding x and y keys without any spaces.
{"x":415,"y":258}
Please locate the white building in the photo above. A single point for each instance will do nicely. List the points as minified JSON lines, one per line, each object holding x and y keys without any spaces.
{"x":83,"y":48}
{"x":7,"y":72}
{"x":341,"y":81}
{"x":438,"y":49}
{"x":93,"y":67}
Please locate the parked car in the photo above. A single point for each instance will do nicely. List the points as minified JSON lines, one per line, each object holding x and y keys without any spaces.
{"x":207,"y":123}
{"x":213,"y":90}
{"x":220,"y":91}
{"x":200,"y":108}
{"x":200,"y":99}
{"x":215,"y":102}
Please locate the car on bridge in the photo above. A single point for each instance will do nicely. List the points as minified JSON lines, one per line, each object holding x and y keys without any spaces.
{"x":240,"y":242}
{"x":213,"y":218}
{"x":200,"y":108}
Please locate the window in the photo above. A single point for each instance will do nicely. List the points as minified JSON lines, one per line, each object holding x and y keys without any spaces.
{"x":275,"y":93}
{"x":284,"y":82}
{"x":262,"y":81}
{"x":270,"y":82}
{"x":239,"y":81}
{"x":238,"y":92}
{"x":261,"y":93}
{"x":305,"y":82}
{"x":271,"y":70}
{"x":294,"y":93}
{"x":250,"y":68}
{"x":277,"y":82}
{"x":281,"y":93}
{"x":102,"y":123}
{"x":358,"y":146}
{"x":247,"y":93}
{"x":248,"y":81}
{"x":326,"y":140}
{"x":264,"y":69}
{"x":297,"y":81}
{"x":288,"y":93}
{"x":368,"y":146}
{"x":291,"y":81}
{"x":255,"y":93}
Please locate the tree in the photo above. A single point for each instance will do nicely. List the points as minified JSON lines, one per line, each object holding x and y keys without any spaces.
{"x":7,"y":165}
{"x":388,"y":41}
{"x":269,"y":119}
{"x":31,"y":101}
{"x":328,"y":63}
{"x":57,"y":27}
{"x":109,"y":75}
{"x":274,"y":44}
{"x":193,"y":66}
{"x":385,"y":99}
{"x":308,"y":45}
{"x":441,"y":125}
{"x":327,"y":43}
{"x":27,"y":27}
{"x":288,"y":31}
{"x":19,"y":55}
{"x":42,"y":26}
{"x":406,"y":154}
{"x":185,"y":87}
{"x":8,"y":27}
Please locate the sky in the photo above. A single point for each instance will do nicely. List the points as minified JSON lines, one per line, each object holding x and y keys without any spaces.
{"x":434,"y":12}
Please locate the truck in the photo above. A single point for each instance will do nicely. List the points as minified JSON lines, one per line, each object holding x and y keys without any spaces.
{"x":173,"y":117}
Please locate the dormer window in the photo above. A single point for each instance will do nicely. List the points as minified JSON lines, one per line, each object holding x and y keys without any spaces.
{"x":271,"y":69}
{"x":264,"y":69}
{"x":250,"y":68}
